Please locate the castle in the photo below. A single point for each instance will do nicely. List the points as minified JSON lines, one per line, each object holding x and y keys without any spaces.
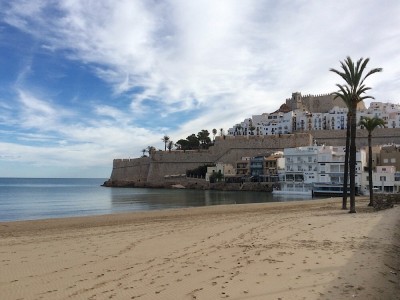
{"x":316,"y":103}
{"x":307,"y":119}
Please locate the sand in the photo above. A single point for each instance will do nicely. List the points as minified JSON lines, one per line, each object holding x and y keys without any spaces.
{"x":293,"y":250}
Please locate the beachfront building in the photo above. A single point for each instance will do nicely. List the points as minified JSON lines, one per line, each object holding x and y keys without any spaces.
{"x":243,"y":166}
{"x":274,"y":163}
{"x":331,"y":170}
{"x":225,"y":170}
{"x":265,"y":168}
{"x":300,"y":172}
{"x":384,"y":180}
{"x":317,"y":169}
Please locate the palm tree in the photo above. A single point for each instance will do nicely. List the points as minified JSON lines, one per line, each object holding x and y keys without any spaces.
{"x":353,"y":75}
{"x":214,"y":132}
{"x":344,"y":95}
{"x":170,"y":145}
{"x":165,"y":139}
{"x":150,"y":150}
{"x":370,"y":124}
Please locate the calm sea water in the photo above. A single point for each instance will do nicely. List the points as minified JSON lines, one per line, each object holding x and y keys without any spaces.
{"x":42,"y":198}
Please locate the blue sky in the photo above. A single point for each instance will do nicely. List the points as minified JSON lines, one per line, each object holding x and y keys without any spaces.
{"x":83,"y":82}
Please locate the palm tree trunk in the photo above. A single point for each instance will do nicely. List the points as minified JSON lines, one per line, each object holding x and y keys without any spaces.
{"x":371,"y":196}
{"x":353,"y":151}
{"x":346,"y":162}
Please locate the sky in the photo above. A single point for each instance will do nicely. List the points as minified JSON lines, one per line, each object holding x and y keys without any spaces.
{"x":84,"y":82}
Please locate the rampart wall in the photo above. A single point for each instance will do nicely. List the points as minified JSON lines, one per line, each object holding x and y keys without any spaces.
{"x":130,"y":170}
{"x":152,"y":170}
{"x":226,"y":150}
{"x":321,"y":103}
{"x":380,"y":136}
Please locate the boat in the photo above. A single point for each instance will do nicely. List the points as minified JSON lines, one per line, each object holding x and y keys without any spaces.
{"x":293,"y":188}
{"x":330,"y":189}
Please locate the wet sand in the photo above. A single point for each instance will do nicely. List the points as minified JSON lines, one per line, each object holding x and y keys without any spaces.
{"x":293,"y":250}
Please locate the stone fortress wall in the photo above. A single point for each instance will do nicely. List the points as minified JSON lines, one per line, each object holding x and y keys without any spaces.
{"x":229,"y":149}
{"x":152,"y":170}
{"x":130,"y":170}
{"x":316,"y":103}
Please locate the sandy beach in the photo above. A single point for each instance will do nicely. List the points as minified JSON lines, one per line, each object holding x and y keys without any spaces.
{"x":293,"y":250}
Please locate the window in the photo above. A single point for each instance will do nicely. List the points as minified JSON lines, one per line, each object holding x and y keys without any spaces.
{"x":392,"y":160}
{"x":385,"y":160}
{"x":382,"y":178}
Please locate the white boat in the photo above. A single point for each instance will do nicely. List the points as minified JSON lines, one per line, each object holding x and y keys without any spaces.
{"x":293,"y":188}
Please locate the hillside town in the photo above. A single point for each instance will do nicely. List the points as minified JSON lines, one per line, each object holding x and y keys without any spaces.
{"x":323,"y":112}
{"x":315,"y":169}
{"x":298,"y":149}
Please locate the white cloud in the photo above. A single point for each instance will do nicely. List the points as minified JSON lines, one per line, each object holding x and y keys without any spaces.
{"x":36,"y":113}
{"x":182,"y":50}
{"x":225,"y":60}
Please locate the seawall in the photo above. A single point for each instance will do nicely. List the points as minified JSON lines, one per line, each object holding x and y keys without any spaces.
{"x":151,"y":171}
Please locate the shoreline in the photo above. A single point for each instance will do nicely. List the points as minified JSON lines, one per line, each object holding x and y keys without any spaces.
{"x":138,"y":215}
{"x":179,"y":205}
{"x":193,"y":184}
{"x":307,"y":249}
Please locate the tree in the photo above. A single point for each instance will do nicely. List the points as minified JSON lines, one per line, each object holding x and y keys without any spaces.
{"x":165,"y":139}
{"x":370,"y":124}
{"x":150,"y":150}
{"x":144,"y":152}
{"x":204,"y":139}
{"x":199,"y":172}
{"x":216,"y":177}
{"x":190,"y":143}
{"x":214,"y":132}
{"x":221,"y":130}
{"x":182,"y":144}
{"x":170,"y":145}
{"x":193,"y":142}
{"x":344,"y":95}
{"x":353,"y":75}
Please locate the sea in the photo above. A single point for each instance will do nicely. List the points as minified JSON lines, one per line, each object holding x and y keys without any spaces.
{"x":44,"y":198}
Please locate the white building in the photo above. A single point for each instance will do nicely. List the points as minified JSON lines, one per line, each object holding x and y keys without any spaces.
{"x":318,"y":169}
{"x":384,"y":179}
{"x":300,"y":120}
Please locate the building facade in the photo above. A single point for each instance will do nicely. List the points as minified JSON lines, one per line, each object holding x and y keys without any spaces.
{"x":321,"y":112}
{"x":317,"y":169}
